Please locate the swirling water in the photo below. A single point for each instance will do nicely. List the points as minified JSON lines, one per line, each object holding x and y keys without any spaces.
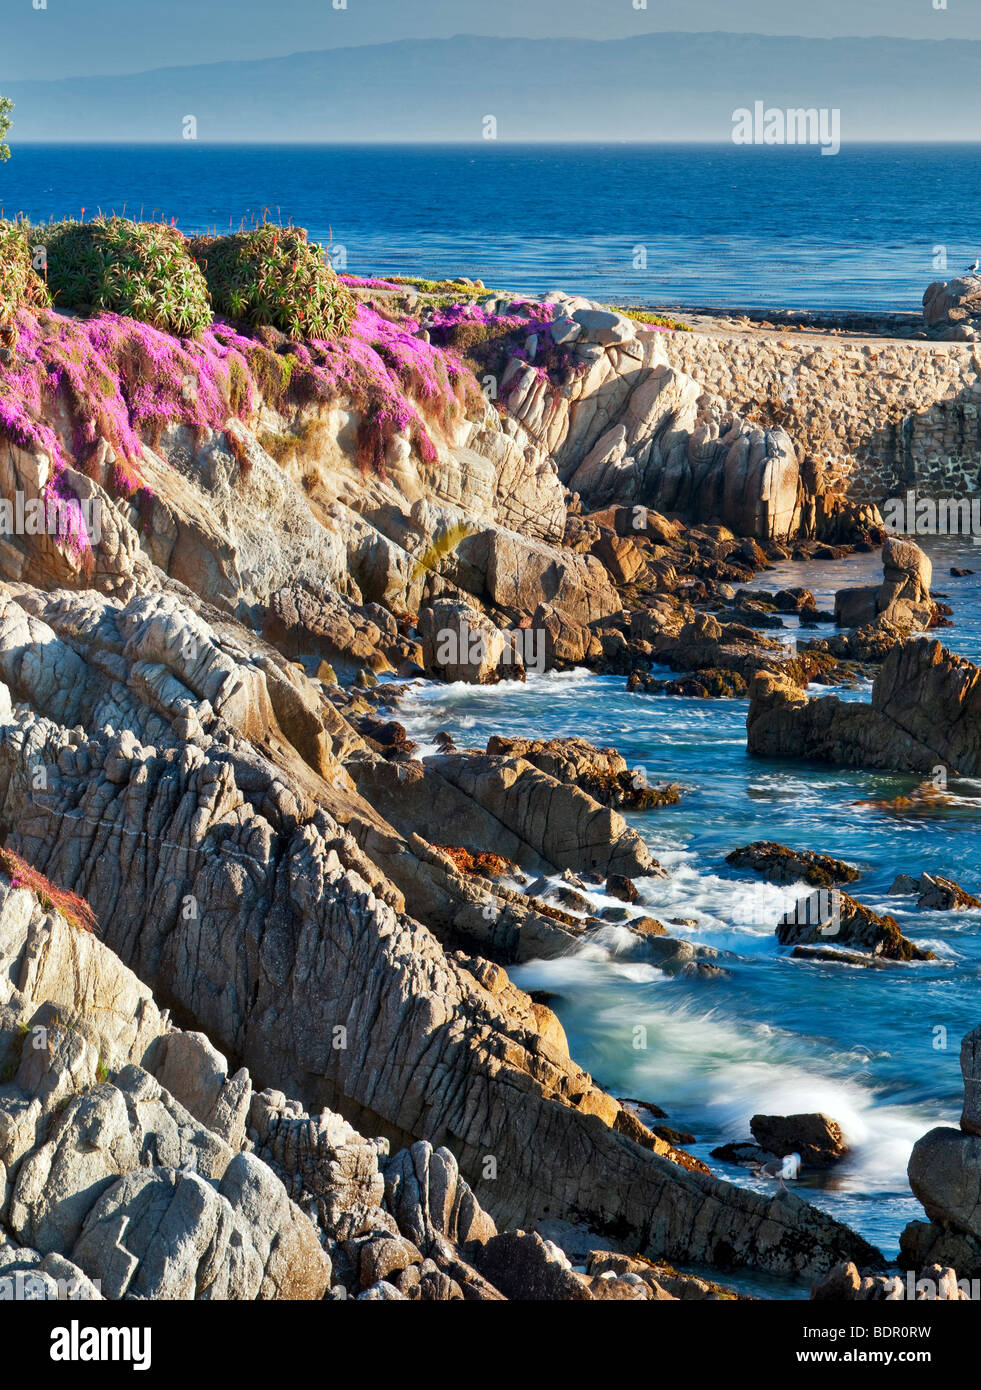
{"x":876,"y":1049}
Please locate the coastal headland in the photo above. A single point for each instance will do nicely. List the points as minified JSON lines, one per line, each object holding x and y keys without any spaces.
{"x":258,"y":1036}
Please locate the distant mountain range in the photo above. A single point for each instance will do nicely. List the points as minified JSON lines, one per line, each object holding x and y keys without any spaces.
{"x":665,"y":86}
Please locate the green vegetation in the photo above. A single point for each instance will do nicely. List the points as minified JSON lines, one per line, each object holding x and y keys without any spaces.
{"x":20,"y":285}
{"x":6,"y":106}
{"x":140,"y":269}
{"x":453,"y":288}
{"x":655,"y":320}
{"x":274,"y":277}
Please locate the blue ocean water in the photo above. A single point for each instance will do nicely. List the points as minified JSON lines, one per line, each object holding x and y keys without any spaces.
{"x":695,"y":225}
{"x":878,"y":1050}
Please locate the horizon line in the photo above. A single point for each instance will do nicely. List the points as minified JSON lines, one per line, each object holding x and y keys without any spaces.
{"x":476,"y":143}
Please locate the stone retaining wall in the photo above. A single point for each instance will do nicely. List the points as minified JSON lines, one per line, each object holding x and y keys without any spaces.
{"x":874,"y":415}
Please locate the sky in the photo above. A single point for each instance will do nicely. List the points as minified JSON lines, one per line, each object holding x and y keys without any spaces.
{"x":69,"y":38}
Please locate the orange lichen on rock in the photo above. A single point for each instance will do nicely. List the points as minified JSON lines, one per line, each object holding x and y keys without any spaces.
{"x":483,"y":863}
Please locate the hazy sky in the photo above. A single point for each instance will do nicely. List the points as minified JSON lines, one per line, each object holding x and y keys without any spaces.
{"x":89,"y":37}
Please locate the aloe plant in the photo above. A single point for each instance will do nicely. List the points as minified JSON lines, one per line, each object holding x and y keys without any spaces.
{"x":140,"y":269}
{"x":21,"y":287}
{"x":273,"y":276}
{"x":6,"y":106}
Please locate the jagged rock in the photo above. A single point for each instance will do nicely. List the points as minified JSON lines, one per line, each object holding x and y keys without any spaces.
{"x":296,"y":1044}
{"x":519,"y":574}
{"x":824,"y":918}
{"x":529,"y":817}
{"x":196,"y":1074}
{"x":971,"y":1071}
{"x":199,"y":790}
{"x":940,"y":894}
{"x":817,"y":1138}
{"x":922,"y":1244}
{"x":845,"y":1284}
{"x":526,"y":1267}
{"x":925,"y":713}
{"x":627,"y":428}
{"x":600,"y":772}
{"x":781,"y":865}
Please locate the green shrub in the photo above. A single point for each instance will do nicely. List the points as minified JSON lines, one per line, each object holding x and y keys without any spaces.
{"x":20,"y":285}
{"x":273,"y":277}
{"x":140,"y":269}
{"x":6,"y":106}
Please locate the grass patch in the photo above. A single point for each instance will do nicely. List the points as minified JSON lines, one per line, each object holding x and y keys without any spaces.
{"x":452,"y":290}
{"x":652,"y":320}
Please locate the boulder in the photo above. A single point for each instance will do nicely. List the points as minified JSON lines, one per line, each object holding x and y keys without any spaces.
{"x":940,"y":894}
{"x":834,"y":918}
{"x":944,"y":1172}
{"x":817,"y":1138}
{"x":779,"y":864}
{"x":460,"y":644}
{"x":901,"y":601}
{"x":952,"y":304}
{"x":532,"y":1270}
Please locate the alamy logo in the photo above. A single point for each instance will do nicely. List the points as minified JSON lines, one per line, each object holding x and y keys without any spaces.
{"x":78,"y":1343}
{"x":52,"y":516}
{"x":820,"y":909}
{"x":26,"y":1286}
{"x":913,"y":515}
{"x":464,"y":645}
{"x":769,"y":125}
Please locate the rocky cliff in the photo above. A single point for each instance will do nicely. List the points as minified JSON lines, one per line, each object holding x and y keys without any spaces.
{"x":247,"y":532}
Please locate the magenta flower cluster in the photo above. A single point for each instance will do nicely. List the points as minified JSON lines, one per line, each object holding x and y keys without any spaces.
{"x":126,"y":382}
{"x":358,"y":282}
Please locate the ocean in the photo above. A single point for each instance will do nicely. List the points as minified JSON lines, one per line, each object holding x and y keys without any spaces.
{"x":688,"y":225}
{"x":877,"y":1050}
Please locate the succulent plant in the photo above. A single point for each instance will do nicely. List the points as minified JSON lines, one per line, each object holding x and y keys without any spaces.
{"x":140,"y":269}
{"x":273,"y":276}
{"x":21,"y":287}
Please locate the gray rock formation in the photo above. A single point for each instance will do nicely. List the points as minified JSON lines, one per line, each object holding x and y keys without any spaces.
{"x":945,"y":1175}
{"x":925,"y":713}
{"x":292,"y":886}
